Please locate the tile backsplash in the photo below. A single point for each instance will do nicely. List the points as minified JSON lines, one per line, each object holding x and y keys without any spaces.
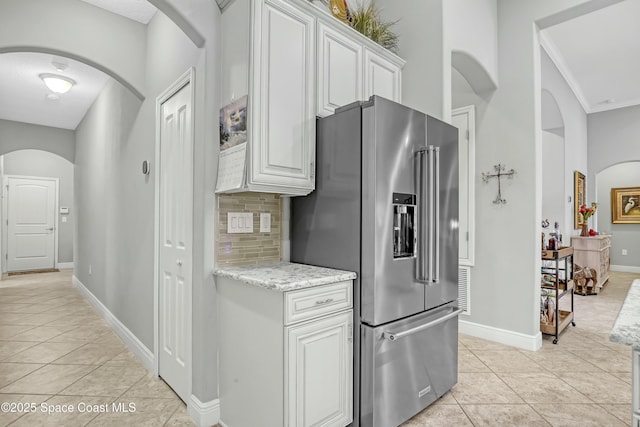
{"x":248,"y":248}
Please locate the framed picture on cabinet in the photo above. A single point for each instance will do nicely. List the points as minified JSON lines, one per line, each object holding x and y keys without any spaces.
{"x":579,"y":198}
{"x":233,"y":123}
{"x":625,"y":205}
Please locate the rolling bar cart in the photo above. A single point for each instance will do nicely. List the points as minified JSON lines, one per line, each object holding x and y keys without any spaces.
{"x":559,"y":275}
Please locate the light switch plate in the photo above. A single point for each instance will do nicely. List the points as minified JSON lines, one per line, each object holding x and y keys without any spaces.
{"x":239,"y":222}
{"x":265,"y":223}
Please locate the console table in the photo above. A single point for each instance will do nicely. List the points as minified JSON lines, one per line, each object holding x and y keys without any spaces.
{"x":593,"y":252}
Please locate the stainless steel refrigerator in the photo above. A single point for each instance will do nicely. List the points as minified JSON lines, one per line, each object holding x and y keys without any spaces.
{"x":386,"y":207}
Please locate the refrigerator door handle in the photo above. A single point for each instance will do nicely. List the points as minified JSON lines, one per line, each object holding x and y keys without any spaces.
{"x":436,"y":208}
{"x":392,"y":336}
{"x":422,"y":247}
{"x":431,"y":201}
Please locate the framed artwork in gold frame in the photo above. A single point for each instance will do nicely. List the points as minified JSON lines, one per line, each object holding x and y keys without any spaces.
{"x":625,"y":205}
{"x":579,"y":198}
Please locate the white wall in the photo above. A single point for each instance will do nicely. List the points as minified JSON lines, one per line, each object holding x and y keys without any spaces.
{"x":43,"y":164}
{"x":505,"y":279}
{"x":77,"y":30}
{"x":575,"y":147}
{"x":420,"y":28}
{"x":20,"y":136}
{"x":623,"y":236}
{"x":471,"y":27}
{"x":554,"y":201}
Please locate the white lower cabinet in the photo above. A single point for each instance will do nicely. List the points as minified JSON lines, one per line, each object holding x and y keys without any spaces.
{"x":285,"y":358}
{"x":319,"y":363}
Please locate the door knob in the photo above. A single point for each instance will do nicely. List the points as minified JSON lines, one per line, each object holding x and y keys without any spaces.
{"x":179,"y":262}
{"x":50,"y":229}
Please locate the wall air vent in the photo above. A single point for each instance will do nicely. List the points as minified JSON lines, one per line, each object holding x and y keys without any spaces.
{"x":464,"y":290}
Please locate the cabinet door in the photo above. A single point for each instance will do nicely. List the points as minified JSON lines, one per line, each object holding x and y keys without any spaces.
{"x":340,"y":68}
{"x":381,"y":77}
{"x":319,"y":372}
{"x":282,"y":134}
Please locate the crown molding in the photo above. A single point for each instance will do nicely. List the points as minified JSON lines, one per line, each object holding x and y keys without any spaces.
{"x":552,"y":50}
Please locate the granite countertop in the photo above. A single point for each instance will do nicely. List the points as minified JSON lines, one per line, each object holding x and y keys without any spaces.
{"x":626,"y":330}
{"x":285,"y":276}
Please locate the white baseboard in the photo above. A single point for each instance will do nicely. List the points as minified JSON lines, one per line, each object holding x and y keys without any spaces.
{"x":135,"y":345}
{"x":625,"y":268}
{"x":204,"y":414}
{"x":65,"y":265}
{"x":502,"y":336}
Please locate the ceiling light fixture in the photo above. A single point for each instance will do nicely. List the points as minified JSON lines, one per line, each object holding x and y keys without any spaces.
{"x":57,"y":84}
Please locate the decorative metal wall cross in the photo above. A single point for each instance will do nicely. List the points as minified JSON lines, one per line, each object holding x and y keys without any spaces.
{"x":499,"y":172}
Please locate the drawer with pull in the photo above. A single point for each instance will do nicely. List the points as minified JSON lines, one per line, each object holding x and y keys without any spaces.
{"x":313,"y":302}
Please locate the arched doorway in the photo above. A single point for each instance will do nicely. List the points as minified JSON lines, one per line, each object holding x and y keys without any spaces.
{"x":37,"y":166}
{"x":625,"y":238}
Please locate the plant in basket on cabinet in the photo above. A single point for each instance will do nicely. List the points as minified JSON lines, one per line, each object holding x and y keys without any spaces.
{"x":586,"y":213}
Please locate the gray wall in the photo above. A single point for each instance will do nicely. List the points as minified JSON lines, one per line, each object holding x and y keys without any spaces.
{"x":508,"y":127}
{"x":573,"y":150}
{"x":20,"y":136}
{"x":118,"y":133}
{"x":43,"y":164}
{"x":624,"y":236}
{"x":613,"y":139}
{"x":116,"y":202}
{"x":111,"y":234}
{"x":614,"y":153}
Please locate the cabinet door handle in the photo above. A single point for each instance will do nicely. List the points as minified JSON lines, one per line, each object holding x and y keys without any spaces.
{"x":324,"y":301}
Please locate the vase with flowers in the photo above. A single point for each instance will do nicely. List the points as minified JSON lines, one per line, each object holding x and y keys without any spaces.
{"x":586,"y":213}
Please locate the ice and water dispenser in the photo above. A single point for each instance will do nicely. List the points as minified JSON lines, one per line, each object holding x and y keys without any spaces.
{"x":404,"y":225}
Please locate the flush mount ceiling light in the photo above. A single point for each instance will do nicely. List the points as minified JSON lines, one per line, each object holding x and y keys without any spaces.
{"x":57,"y":84}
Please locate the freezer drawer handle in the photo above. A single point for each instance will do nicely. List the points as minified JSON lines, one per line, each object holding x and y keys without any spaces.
{"x":391,"y":336}
{"x":325,"y":301}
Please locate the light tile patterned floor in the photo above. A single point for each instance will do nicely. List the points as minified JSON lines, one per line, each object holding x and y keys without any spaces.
{"x":54,"y":348}
{"x":584,"y":380}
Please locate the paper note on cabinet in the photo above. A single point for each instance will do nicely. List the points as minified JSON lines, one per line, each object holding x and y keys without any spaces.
{"x":231,"y":168}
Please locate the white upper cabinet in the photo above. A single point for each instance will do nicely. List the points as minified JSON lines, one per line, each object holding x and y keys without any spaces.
{"x":269,"y":54}
{"x":340,"y":79}
{"x":352,"y":68}
{"x":293,"y":61}
{"x":283,"y":121}
{"x":382,"y":76}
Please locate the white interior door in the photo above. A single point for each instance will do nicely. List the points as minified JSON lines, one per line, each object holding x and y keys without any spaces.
{"x":464,"y":119}
{"x":175,"y":238}
{"x":31,"y":215}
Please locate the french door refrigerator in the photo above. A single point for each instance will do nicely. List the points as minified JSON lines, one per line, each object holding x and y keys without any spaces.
{"x":386,"y":207}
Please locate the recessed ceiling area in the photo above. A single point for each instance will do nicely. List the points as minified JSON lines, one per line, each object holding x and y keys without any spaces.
{"x":138,"y":10}
{"x":25,"y":96}
{"x":599,"y":55}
